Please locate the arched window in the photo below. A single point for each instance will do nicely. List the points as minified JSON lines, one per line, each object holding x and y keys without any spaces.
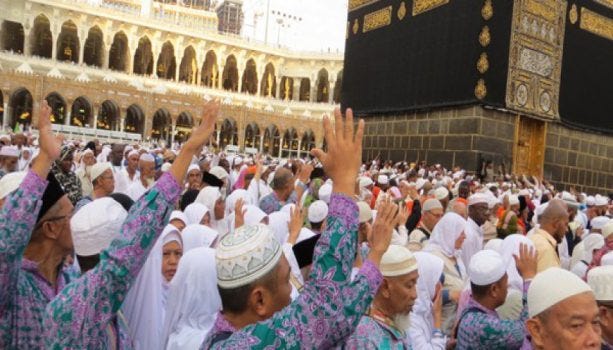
{"x":161,"y":127}
{"x":188,"y":70}
{"x":167,"y":63}
{"x":210,"y":71}
{"x":269,"y":81}
{"x":93,"y":50}
{"x":143,"y":57}
{"x":135,"y":119}
{"x":58,"y":107}
{"x":305,"y":89}
{"x":119,"y":53}
{"x":185,"y":123}
{"x":323,"y":86}
{"x":108,"y":118}
{"x":41,"y":40}
{"x":230,"y":74}
{"x":250,"y":78}
{"x":12,"y":38}
{"x":81,"y":113}
{"x":68,"y":45}
{"x":21,"y":108}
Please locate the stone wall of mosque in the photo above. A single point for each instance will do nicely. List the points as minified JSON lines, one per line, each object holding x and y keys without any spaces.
{"x":467,"y":136}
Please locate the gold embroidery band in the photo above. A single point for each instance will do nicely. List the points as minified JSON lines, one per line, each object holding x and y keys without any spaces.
{"x":541,"y":10}
{"x":356,"y":4}
{"x":607,"y":3}
{"x":421,"y":6}
{"x":377,"y":19}
{"x":596,"y":24}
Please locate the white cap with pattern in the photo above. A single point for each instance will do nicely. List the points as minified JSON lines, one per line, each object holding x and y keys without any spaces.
{"x":601,"y":280}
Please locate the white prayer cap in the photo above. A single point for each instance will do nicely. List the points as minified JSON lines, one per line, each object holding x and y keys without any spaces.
{"x":365,"y":213}
{"x":178,"y":215}
{"x":441,"y":193}
{"x":600,"y":280}
{"x":397,"y":261}
{"x":600,"y":200}
{"x":95,"y":225}
{"x":419,"y":184}
{"x":524,"y":192}
{"x":383,"y":179}
{"x":552,"y":286}
{"x":99,"y":168}
{"x":246,"y":256}
{"x":570,"y":200}
{"x":219,"y":172}
{"x":477,"y":198}
{"x":133,"y":153}
{"x":365,"y":181}
{"x":146,"y":157}
{"x":607,"y":259}
{"x":237,"y":160}
{"x":607,"y":230}
{"x":10,"y":182}
{"x":494,"y":244}
{"x":9,"y":151}
{"x":590,"y":201}
{"x":513,"y":200}
{"x":193,"y":167}
{"x":486,"y":267}
{"x":599,"y":222}
{"x":325,"y":192}
{"x":432,"y":204}
{"x":166,"y":167}
{"x":318,"y":211}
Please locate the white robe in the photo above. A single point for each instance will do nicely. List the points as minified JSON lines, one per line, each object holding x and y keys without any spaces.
{"x":136,"y":190}
{"x":473,"y":242}
{"x":121,"y":184}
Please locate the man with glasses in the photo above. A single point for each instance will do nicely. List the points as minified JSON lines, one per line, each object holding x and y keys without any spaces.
{"x":478,"y":213}
{"x":34,"y":239}
{"x":432,"y":212}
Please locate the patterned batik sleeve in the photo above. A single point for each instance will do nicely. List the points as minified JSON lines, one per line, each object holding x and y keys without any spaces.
{"x":79,"y":315}
{"x":17,"y":221}
{"x":329,"y":308}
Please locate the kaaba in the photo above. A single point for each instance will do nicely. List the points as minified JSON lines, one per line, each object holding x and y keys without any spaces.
{"x":526,"y":84}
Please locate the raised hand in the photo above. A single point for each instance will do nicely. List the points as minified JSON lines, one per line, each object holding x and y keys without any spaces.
{"x":295,"y":224}
{"x":239,"y":213}
{"x":344,"y":156}
{"x":526,"y":262}
{"x":381,"y":234}
{"x":50,"y":144}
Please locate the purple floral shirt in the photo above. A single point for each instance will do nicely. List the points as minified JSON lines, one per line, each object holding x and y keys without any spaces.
{"x":271,"y":203}
{"x":24,"y":292}
{"x":372,"y":335}
{"x":79,"y":317}
{"x":329,"y":308}
{"x":481,"y":328}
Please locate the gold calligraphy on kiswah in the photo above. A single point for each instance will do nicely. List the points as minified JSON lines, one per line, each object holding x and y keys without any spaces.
{"x":357,"y":4}
{"x":596,"y":24}
{"x":377,"y":19}
{"x":421,"y":6}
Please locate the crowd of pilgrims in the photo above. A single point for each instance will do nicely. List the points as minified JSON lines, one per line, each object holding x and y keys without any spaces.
{"x":129,"y":247}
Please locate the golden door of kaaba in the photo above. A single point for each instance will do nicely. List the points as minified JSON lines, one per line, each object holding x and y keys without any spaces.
{"x":529,"y":150}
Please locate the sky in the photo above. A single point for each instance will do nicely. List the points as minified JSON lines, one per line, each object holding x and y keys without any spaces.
{"x":306,"y":25}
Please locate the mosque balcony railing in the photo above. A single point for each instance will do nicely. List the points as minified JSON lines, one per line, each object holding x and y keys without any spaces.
{"x":74,"y":132}
{"x":148,"y":85}
{"x":183,"y":21}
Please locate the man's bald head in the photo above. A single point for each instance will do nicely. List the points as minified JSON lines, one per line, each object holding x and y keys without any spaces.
{"x":283,"y":183}
{"x":554,"y":219}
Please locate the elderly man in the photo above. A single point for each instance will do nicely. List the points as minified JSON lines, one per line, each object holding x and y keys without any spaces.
{"x":562,"y":312}
{"x":194,"y":178}
{"x":432,"y":212}
{"x":35,"y":239}
{"x":285,"y":189}
{"x":84,"y":314}
{"x":600,"y":280}
{"x":253,"y":278}
{"x":103,"y":182}
{"x":62,"y":170}
{"x":146,"y":166}
{"x":553,"y":223}
{"x":479,"y":325}
{"x":9,"y":157}
{"x":385,"y":323}
{"x":478,"y":213}
{"x":130,"y":172}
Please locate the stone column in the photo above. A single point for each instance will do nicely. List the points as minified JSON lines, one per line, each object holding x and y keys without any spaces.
{"x":241,"y":73}
{"x":280,"y":146}
{"x":5,"y":115}
{"x":296,"y":91}
{"x":331,"y":91}
{"x":67,"y":118}
{"x":54,"y":37}
{"x":121,"y":123}
{"x":277,"y":91}
{"x":26,"y":45}
{"x":172,"y":132}
{"x":81,"y":50}
{"x":220,"y":76}
{"x":299,"y":145}
{"x":261,"y":142}
{"x":105,"y":56}
{"x":217,"y":137}
{"x":95,"y":110}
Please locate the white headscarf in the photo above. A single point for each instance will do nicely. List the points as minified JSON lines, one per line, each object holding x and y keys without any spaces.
{"x":196,"y":236}
{"x":209,"y":196}
{"x":591,"y":242}
{"x":195,"y":212}
{"x":145,"y":304}
{"x":253,"y":215}
{"x":277,"y":222}
{"x":445,"y":234}
{"x":193,"y":301}
{"x":233,"y":197}
{"x":510,"y":247}
{"x":23,"y":164}
{"x":430,"y":268}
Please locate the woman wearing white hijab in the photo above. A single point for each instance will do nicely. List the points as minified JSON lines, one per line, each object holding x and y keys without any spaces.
{"x":25,"y":159}
{"x":196,"y":236}
{"x":145,"y":305}
{"x":211,"y":197}
{"x":446,"y":243}
{"x":197,"y":213}
{"x":512,"y":307}
{"x":591,"y":242}
{"x":193,"y":301}
{"x":422,"y":333}
{"x":84,"y":172}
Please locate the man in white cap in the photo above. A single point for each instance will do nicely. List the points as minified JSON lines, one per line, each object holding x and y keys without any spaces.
{"x":194,"y":178}
{"x":552,"y":228}
{"x":600,"y":280}
{"x":146,"y":166}
{"x":253,"y":275}
{"x":9,"y":157}
{"x":130,"y":171}
{"x":9,"y":183}
{"x":479,"y":325}
{"x":384,"y":325}
{"x":103,"y":182}
{"x":116,"y":158}
{"x":562,"y":312}
{"x":317,"y":214}
{"x":442,"y":194}
{"x":601,"y":204}
{"x":478,"y":213}
{"x":431,"y":213}
{"x":83,"y":315}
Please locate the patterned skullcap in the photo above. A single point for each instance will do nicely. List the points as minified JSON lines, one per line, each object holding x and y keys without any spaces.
{"x":246,"y":256}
